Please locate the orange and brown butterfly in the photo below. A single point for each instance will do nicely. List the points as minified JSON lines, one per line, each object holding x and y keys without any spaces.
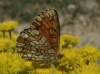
{"x":40,"y":42}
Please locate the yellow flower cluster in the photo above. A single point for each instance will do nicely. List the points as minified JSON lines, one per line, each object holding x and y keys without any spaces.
{"x":43,"y":71}
{"x":76,"y":58}
{"x":90,"y":54}
{"x":69,"y":53}
{"x":29,"y":67}
{"x":68,"y":41}
{"x":87,"y":69}
{"x":90,"y":69}
{"x":8,"y":25}
{"x":7,"y":45}
{"x":71,"y":60}
{"x":89,"y":49}
{"x":46,"y":71}
{"x":10,"y":63}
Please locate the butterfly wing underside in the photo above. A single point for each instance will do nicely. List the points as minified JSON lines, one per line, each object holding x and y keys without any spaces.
{"x":40,"y":42}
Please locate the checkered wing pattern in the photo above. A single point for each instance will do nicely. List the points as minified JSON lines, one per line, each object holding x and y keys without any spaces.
{"x":40,"y":42}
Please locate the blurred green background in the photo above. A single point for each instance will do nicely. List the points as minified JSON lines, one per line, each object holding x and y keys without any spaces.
{"x":77,"y":17}
{"x":26,"y":10}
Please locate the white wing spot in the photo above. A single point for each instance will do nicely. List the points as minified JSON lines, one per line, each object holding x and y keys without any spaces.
{"x":52,"y":58}
{"x":20,"y":44}
{"x":33,"y":44}
{"x":36,"y":42}
{"x":41,"y":56}
{"x":50,"y":51}
{"x":29,"y":54}
{"x":19,"y":49}
{"x":24,"y":35}
{"x":46,"y":14}
{"x":41,"y":15}
{"x":33,"y":58}
{"x":50,"y":13}
{"x":25,"y":55}
{"x":33,"y":51}
{"x":31,"y":31}
{"x":26,"y":58}
{"x":43,"y":39}
{"x":39,"y":18}
{"x":35,"y":32}
{"x":33,"y":48}
{"x":40,"y":42}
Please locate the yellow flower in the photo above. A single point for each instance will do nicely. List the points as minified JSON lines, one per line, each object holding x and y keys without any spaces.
{"x":1,"y":27}
{"x":12,"y":63}
{"x":28,"y":64}
{"x":3,"y":59}
{"x":69,"y":59}
{"x":8,"y":25}
{"x":89,"y":49}
{"x":66,"y":40}
{"x":43,"y":71}
{"x":1,"y":34}
{"x":90,"y":69}
{"x":48,"y":71}
{"x":69,"y":53}
{"x":73,"y":39}
{"x":90,"y":54}
{"x":6,"y":45}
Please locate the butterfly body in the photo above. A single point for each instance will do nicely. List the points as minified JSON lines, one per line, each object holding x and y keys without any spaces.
{"x":40,"y":42}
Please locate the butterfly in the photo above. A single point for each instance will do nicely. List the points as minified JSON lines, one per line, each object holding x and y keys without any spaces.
{"x":40,"y":42}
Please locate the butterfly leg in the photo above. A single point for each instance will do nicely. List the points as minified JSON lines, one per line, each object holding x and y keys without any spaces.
{"x":53,"y":71}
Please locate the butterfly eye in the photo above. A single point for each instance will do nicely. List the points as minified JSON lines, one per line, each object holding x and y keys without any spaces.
{"x":24,"y":35}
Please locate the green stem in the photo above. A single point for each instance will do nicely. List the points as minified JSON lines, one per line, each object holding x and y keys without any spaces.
{"x":3,"y":34}
{"x":10,"y":34}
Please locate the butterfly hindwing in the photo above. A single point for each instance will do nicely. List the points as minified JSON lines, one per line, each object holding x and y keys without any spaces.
{"x":40,"y":42}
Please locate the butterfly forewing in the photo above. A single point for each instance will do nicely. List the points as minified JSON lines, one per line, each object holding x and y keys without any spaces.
{"x":41,"y":41}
